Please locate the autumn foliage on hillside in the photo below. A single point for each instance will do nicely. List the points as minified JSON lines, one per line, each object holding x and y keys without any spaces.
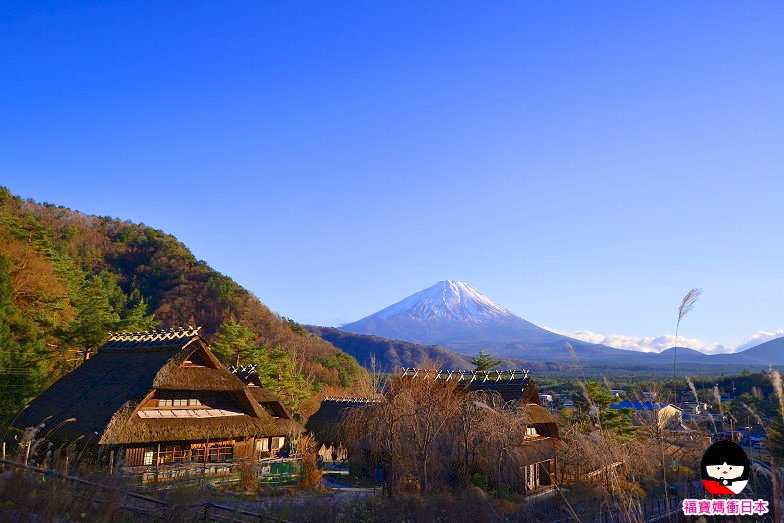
{"x":67,"y":279}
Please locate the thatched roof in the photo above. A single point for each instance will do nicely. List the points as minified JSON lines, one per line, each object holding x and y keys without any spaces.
{"x":196,"y":378}
{"x":269,"y":401}
{"x":541,"y":418}
{"x":536,"y":414}
{"x":326,"y":424}
{"x":538,"y":449}
{"x":98,"y":400}
{"x":511,"y":385}
{"x":138,"y":430}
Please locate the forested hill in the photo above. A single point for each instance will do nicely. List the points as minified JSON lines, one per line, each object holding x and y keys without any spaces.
{"x":67,"y":279}
{"x":390,"y":355}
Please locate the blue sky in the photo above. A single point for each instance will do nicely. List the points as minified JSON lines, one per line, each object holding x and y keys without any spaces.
{"x":583,"y":164}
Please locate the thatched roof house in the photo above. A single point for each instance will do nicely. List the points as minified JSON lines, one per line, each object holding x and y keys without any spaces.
{"x":141,"y":390}
{"x":535,"y":447}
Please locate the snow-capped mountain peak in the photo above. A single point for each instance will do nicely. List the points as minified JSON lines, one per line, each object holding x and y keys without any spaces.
{"x":448,"y":299}
{"x":456,"y":316}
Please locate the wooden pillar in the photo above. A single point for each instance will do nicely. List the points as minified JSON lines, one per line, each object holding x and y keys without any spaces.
{"x":111,"y":461}
{"x":157,"y":462}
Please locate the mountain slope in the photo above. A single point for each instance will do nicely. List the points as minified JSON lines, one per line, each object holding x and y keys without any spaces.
{"x":768,"y":353}
{"x":684,"y":355}
{"x":389,"y":355}
{"x":75,"y":277}
{"x":458,"y":317}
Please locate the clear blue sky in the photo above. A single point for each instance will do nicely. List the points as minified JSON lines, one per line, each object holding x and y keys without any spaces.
{"x":582,"y":163}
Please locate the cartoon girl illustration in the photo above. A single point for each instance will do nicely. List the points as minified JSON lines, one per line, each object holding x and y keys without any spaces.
{"x":725,"y":468}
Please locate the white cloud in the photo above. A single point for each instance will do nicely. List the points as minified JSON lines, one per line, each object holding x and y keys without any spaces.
{"x":660,"y":343}
{"x":759,"y":337}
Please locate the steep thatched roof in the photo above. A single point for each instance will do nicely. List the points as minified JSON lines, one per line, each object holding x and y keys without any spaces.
{"x":541,"y":418}
{"x":98,"y":400}
{"x":536,"y":414}
{"x":196,"y":378}
{"x":269,"y":401}
{"x":266,"y":398}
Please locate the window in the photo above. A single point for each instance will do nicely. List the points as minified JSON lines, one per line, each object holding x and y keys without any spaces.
{"x":262,"y":445}
{"x":173,"y":454}
{"x":277,"y":443}
{"x":148,"y":457}
{"x":531,"y":432}
{"x":221,"y":453}
{"x":180,"y":402}
{"x":197,"y":454}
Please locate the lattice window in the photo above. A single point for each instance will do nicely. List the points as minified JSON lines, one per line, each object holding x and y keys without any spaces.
{"x":221,"y":453}
{"x":173,"y":454}
{"x":180,"y":402}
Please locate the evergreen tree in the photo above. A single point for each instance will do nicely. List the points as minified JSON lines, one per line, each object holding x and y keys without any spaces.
{"x":277,"y":370}
{"x":234,"y":342}
{"x":21,"y":351}
{"x":485,"y":362}
{"x":134,"y":315}
{"x":95,"y":317}
{"x":593,"y":406}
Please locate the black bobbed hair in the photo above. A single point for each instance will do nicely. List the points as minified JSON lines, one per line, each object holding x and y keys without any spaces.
{"x":725,"y":452}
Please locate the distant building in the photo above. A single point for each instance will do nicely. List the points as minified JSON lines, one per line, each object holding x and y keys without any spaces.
{"x":566,"y":401}
{"x":545,"y":399}
{"x":665,"y":414}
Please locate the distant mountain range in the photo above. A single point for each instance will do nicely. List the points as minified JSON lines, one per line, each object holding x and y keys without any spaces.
{"x":768,"y":353}
{"x":454,"y":315}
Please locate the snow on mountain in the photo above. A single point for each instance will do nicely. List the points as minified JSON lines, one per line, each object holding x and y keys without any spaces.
{"x":458,"y":317}
{"x":448,"y":299}
{"x":455,"y":315}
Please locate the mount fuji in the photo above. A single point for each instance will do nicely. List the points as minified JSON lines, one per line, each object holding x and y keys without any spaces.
{"x":456,"y":316}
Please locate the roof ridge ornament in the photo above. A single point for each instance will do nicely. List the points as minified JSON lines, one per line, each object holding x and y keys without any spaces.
{"x":173,"y":333}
